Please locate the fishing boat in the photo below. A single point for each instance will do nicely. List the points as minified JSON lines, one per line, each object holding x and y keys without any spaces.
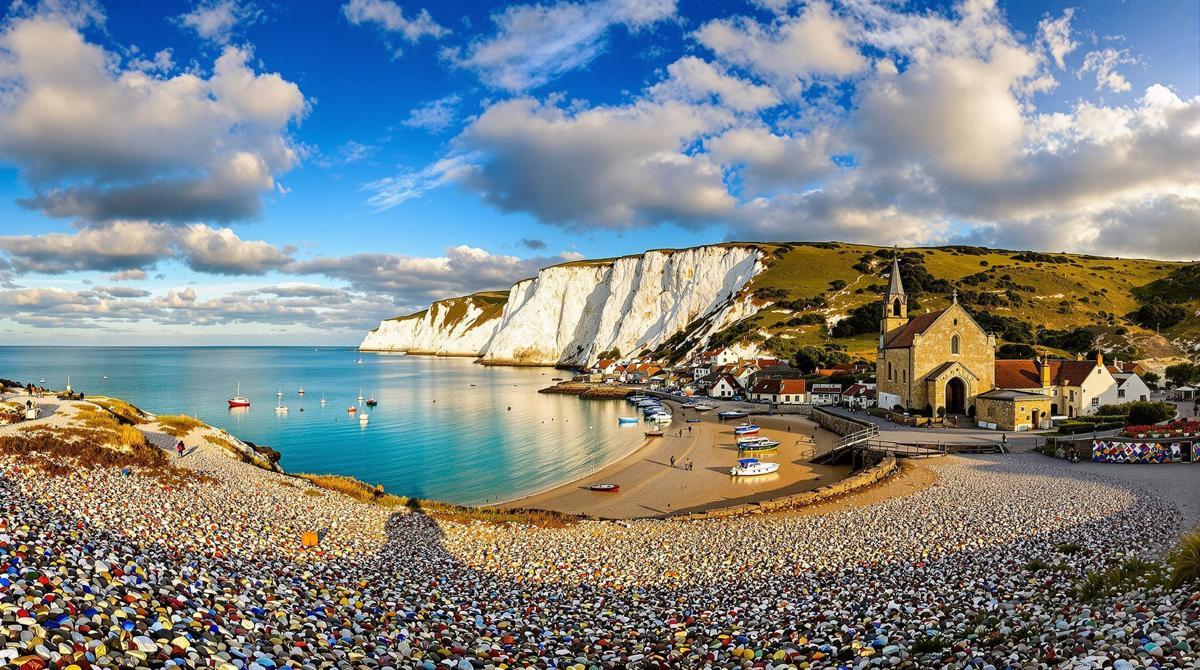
{"x":351,"y":409}
{"x":239,"y":400}
{"x":605,"y":488}
{"x":653,"y":433}
{"x":627,"y":419}
{"x":731,"y":414}
{"x":748,"y":441}
{"x":763,"y":445}
{"x":745,"y":429}
{"x":749,"y":467}
{"x":702,"y":407}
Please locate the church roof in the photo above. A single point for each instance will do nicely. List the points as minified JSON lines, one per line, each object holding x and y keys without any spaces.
{"x":895,"y":286}
{"x":915,"y":326}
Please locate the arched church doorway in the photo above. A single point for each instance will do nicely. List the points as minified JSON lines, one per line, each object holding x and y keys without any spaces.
{"x":956,"y":396}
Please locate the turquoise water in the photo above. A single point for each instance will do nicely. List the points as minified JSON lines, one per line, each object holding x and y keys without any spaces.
{"x":444,"y":428}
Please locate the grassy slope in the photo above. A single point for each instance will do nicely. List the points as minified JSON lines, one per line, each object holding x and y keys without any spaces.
{"x":492,"y":303}
{"x":1107,"y":284}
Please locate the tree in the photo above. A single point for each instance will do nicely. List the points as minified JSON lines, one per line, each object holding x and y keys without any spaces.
{"x":862,"y":319}
{"x":1015,"y":351}
{"x":1151,"y":379}
{"x":1158,"y":314}
{"x":1147,"y":413}
{"x":1182,"y":373}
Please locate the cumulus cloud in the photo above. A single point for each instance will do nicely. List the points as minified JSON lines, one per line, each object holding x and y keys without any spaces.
{"x":692,"y":78}
{"x":390,"y":19}
{"x":1055,"y":35}
{"x":789,"y":51}
{"x":128,"y":248}
{"x":215,"y":20}
{"x":535,"y":44}
{"x":98,"y":141}
{"x":611,"y":167}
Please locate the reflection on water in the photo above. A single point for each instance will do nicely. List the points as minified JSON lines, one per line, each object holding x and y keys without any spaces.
{"x":444,"y":427}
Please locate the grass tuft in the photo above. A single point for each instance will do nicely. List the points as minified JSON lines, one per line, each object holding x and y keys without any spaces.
{"x":1185,"y":560}
{"x":178,"y":425}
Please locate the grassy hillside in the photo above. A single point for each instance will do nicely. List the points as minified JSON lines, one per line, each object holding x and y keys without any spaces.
{"x":491,"y":302}
{"x":1058,"y":303}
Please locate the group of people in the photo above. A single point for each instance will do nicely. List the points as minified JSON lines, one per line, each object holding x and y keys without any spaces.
{"x":687,"y":465}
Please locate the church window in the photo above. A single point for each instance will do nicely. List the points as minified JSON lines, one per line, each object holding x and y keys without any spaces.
{"x":954,"y":344}
{"x":896,"y":307}
{"x":890,"y":377}
{"x":904,"y":376}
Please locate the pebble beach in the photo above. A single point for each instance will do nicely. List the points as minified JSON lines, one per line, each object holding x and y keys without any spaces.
{"x":980,"y":570}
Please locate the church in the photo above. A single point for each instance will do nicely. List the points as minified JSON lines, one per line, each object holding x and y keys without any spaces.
{"x":943,"y":362}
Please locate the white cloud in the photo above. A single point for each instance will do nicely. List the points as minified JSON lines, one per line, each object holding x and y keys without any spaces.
{"x":535,"y":44}
{"x":1055,"y":35}
{"x":791,"y":51}
{"x":215,"y":20}
{"x":769,"y":161}
{"x":613,"y":167}
{"x":696,"y":80}
{"x":1104,"y":63}
{"x":434,"y":116}
{"x":390,"y":18}
{"x":100,"y":142}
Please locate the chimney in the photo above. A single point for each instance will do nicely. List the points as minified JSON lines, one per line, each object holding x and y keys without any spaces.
{"x":1044,"y":372}
{"x":1100,"y":359}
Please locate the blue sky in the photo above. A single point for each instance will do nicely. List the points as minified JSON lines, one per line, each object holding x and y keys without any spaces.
{"x":246,"y":171}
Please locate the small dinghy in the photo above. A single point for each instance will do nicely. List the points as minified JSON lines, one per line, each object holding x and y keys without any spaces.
{"x":731,"y":414}
{"x":745,"y":429}
{"x":627,"y":419}
{"x":693,"y":420}
{"x":605,"y":488}
{"x":653,"y":433}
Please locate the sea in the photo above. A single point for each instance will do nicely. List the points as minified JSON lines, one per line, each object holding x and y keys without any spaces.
{"x":444,"y":428}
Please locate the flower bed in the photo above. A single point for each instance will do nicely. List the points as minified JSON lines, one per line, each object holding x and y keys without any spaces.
{"x":1177,"y":428}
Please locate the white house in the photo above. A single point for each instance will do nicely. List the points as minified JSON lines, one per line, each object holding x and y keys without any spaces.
{"x":1130,"y":387}
{"x":726,"y":386}
{"x":825,"y":394}
{"x":780,"y":391}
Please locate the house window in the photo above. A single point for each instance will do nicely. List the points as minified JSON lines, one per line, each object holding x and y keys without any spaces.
{"x":904,"y":376}
{"x":1096,"y":402}
{"x":1120,"y":393}
{"x":954,"y":345}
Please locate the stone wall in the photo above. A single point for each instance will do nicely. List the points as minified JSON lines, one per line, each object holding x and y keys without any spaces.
{"x":836,"y":423}
{"x":876,"y":473}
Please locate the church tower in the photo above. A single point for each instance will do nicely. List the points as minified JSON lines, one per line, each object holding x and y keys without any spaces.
{"x":895,"y":304}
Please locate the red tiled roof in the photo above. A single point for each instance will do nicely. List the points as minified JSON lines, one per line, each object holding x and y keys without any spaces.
{"x":1023,"y":374}
{"x":915,"y":326}
{"x":793,"y":386}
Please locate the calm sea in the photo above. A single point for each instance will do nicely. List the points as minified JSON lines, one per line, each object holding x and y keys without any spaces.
{"x":444,"y":428}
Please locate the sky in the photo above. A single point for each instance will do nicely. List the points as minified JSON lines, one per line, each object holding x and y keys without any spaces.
{"x":261,"y":172}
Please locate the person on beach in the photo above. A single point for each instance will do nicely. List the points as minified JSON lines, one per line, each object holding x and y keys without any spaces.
{"x":672,"y":460}
{"x":179,"y":448}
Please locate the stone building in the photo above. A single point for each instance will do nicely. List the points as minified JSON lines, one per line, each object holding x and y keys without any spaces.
{"x":936,"y":360}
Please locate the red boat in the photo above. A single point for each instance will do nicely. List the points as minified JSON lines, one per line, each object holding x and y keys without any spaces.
{"x":239,"y":400}
{"x":606,"y":488}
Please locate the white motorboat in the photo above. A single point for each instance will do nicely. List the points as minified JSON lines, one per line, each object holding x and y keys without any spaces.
{"x":758,"y":444}
{"x":281,"y":409}
{"x":322,"y":399}
{"x":660,"y":416}
{"x":750,"y":467}
{"x":702,"y":407}
{"x":301,"y":391}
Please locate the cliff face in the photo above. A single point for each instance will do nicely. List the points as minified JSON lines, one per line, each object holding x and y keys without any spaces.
{"x":570,"y":314}
{"x":454,"y":327}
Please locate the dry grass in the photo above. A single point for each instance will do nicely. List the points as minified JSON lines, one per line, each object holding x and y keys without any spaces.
{"x":62,"y":451}
{"x":1185,"y":560}
{"x":443,"y":511}
{"x":178,"y":425}
{"x":124,"y":411}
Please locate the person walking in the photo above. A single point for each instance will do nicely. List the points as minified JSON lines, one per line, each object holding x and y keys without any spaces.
{"x":179,"y":448}
{"x":672,"y":460}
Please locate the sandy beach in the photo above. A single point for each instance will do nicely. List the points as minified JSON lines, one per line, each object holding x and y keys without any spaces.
{"x":651,"y":487}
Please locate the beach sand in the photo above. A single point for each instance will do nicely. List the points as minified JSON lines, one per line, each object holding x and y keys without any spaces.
{"x":652,"y":487}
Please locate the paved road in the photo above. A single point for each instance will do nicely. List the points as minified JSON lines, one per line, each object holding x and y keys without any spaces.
{"x":895,"y":432}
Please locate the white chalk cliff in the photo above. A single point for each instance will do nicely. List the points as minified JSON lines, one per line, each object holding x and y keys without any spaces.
{"x":569,"y":314}
{"x":455,"y":327}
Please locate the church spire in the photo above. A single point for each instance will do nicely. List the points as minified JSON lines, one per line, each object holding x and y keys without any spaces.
{"x":895,"y":286}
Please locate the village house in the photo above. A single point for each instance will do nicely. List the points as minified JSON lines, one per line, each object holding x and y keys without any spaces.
{"x":780,"y":391}
{"x":726,"y":386}
{"x":825,"y":394}
{"x":1074,"y":387}
{"x":859,"y":396}
{"x":719,"y":356}
{"x":1130,"y":386}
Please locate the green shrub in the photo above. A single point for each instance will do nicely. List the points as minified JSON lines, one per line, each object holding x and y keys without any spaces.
{"x":1185,"y":560}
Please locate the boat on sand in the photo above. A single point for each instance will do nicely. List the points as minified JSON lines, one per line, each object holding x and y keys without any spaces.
{"x":750,"y":467}
{"x":605,"y":488}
